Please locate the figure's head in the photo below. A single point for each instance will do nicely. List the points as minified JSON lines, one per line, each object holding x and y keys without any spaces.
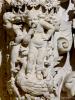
{"x":32,"y":18}
{"x":9,"y":16}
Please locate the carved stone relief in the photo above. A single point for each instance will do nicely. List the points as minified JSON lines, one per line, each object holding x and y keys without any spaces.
{"x":40,"y":33}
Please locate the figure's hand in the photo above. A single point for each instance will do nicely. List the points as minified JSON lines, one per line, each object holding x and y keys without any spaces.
{"x":57,"y":27}
{"x":12,"y":43}
{"x":55,"y":22}
{"x":8,"y":25}
{"x":15,"y":70}
{"x":41,"y":16}
{"x":31,"y":31}
{"x":47,"y":18}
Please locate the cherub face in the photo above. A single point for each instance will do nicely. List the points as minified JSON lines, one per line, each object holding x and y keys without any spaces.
{"x":33,"y":17}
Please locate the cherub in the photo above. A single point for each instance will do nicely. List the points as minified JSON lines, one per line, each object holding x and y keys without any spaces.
{"x":38,"y":43}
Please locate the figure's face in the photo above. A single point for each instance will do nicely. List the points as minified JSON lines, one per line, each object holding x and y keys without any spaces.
{"x":33,"y":23}
{"x":33,"y":18}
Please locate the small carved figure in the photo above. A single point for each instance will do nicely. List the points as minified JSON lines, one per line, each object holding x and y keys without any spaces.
{"x":38,"y":44}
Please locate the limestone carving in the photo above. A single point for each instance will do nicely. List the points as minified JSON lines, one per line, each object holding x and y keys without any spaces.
{"x":40,"y":32}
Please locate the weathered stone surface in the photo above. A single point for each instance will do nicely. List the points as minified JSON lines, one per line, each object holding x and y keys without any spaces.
{"x":37,"y":50}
